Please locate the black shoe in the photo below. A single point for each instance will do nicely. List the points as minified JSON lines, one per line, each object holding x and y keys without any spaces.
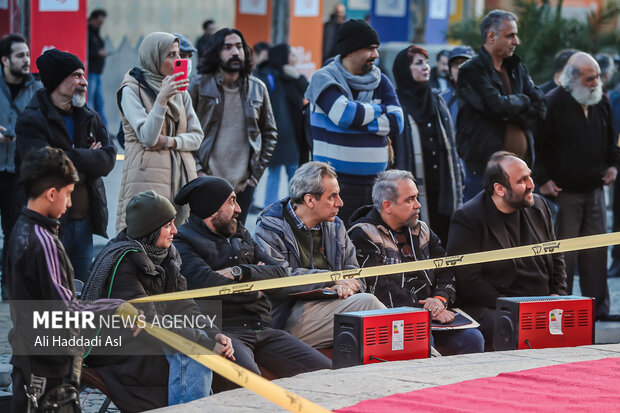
{"x":609,"y":317}
{"x":614,"y":269}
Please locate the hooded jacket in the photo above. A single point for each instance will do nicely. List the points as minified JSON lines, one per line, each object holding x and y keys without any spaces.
{"x":376,"y":246}
{"x":274,"y":235}
{"x":40,"y":125}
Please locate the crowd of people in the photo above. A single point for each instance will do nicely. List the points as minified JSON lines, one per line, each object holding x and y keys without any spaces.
{"x":445,"y":162}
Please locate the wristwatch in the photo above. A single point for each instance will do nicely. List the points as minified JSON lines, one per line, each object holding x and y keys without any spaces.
{"x":236,"y":272}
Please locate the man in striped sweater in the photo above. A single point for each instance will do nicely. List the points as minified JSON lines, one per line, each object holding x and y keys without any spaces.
{"x":354,"y":111}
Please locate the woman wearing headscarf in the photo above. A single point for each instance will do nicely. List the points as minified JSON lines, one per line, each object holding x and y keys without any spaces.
{"x":286,"y":88}
{"x":141,"y":261}
{"x":427,"y":146}
{"x":160,"y":125}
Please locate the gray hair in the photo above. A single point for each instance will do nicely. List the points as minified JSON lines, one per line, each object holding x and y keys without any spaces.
{"x":385,"y":187}
{"x":569,"y":76}
{"x":308,"y":179}
{"x":495,"y":21}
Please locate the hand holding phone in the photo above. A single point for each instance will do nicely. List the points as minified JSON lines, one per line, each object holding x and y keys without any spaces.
{"x":180,"y":65}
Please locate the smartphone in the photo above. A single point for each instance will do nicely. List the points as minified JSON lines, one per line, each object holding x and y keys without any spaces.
{"x":180,"y":65}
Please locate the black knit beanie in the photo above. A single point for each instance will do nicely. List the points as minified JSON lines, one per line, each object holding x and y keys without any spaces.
{"x":54,"y":66}
{"x":205,"y":195}
{"x":355,"y":34}
{"x":147,"y":212}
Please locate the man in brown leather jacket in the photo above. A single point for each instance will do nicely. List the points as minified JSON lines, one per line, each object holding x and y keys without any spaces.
{"x":235,"y":113}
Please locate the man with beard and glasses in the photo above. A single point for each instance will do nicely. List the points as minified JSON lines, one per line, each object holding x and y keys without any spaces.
{"x":17,"y":86}
{"x":217,"y":250}
{"x":506,"y":214}
{"x":577,"y":156}
{"x":354,"y":112}
{"x":57,"y":116}
{"x":389,"y":232}
{"x":235,"y":113}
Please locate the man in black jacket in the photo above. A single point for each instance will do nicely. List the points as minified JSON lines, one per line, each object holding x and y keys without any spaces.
{"x":507,"y":214}
{"x":216,"y":250}
{"x":38,"y":269}
{"x":57,"y":117}
{"x":499,"y":103}
{"x":577,"y":155}
{"x":96,"y":60}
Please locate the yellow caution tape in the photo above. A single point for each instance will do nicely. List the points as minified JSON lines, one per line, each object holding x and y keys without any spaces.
{"x":226,"y":368}
{"x":566,"y":245}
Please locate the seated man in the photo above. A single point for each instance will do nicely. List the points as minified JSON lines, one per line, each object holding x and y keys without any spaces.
{"x":303,"y":233}
{"x":389,"y":232}
{"x":139,"y":262}
{"x":506,"y":214}
{"x":218,"y":250}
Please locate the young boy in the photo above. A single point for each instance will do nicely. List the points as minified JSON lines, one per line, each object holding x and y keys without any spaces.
{"x":38,"y":268}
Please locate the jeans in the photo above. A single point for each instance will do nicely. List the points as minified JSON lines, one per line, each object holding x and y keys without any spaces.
{"x":450,"y":342}
{"x":353,"y":196}
{"x":187,"y":379}
{"x":77,"y":238}
{"x":273,"y":181}
{"x":473,"y":185}
{"x":95,"y":95}
{"x":244,"y":199}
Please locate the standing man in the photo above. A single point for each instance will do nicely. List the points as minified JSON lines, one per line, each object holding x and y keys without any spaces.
{"x":499,"y":102}
{"x":57,"y":117}
{"x":354,"y":111}
{"x":208,"y":28}
{"x":17,"y":86}
{"x":96,"y":61}
{"x":577,"y":155}
{"x":440,"y":74}
{"x":235,"y":113}
{"x":330,"y":31}
{"x":560,"y":60}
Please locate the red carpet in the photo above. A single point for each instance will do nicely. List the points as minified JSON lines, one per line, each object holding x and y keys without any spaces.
{"x":592,"y":385}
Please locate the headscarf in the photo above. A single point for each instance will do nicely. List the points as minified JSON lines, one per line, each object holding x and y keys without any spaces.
{"x":151,"y":54}
{"x":416,"y":97}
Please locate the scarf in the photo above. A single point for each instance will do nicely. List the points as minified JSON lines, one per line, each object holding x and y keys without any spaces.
{"x":415,"y":97}
{"x":151,"y":54}
{"x":334,"y":74}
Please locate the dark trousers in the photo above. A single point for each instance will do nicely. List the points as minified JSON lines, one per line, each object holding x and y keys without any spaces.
{"x":9,"y":211}
{"x":583,"y":214}
{"x":615,"y":250}
{"x":440,"y":223}
{"x":473,"y":184}
{"x":275,"y":350}
{"x":465,"y":341}
{"x":487,"y":326}
{"x":353,"y":196}
{"x":244,"y":199}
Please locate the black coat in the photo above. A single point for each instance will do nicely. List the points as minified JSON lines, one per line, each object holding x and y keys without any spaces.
{"x":40,"y":125}
{"x":204,"y":252}
{"x":474,"y":228}
{"x":485,"y":109}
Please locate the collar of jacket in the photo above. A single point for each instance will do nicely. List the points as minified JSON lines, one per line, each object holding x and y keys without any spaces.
{"x":4,"y":86}
{"x":510,"y":62}
{"x":50,"y":224}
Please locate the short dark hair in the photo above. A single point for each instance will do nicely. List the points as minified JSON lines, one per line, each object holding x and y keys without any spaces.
{"x":6,"y":44}
{"x":95,"y":14}
{"x":210,"y":62}
{"x":494,"y":173}
{"x":260,"y":46}
{"x":444,"y":52}
{"x":46,"y":168}
{"x":207,"y":23}
{"x":494,"y":21}
{"x":561,"y":58}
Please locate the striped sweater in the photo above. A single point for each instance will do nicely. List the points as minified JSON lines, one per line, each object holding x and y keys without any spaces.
{"x":352,"y":136}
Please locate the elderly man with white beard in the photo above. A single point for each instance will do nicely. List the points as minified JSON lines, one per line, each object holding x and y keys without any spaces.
{"x":577,"y":154}
{"x":57,"y":116}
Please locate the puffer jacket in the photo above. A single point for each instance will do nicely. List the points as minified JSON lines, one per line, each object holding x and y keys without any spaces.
{"x":9,"y":111}
{"x":274,"y":235}
{"x":40,"y":125}
{"x":208,"y":101}
{"x":485,"y":109}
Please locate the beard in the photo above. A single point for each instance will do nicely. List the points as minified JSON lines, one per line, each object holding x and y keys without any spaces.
{"x":412,"y":221}
{"x":368,"y":66}
{"x":19,"y":72}
{"x":586,"y":95}
{"x":517,"y":202}
{"x":231,"y":65}
{"x":79,"y":99}
{"x":223,"y":226}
